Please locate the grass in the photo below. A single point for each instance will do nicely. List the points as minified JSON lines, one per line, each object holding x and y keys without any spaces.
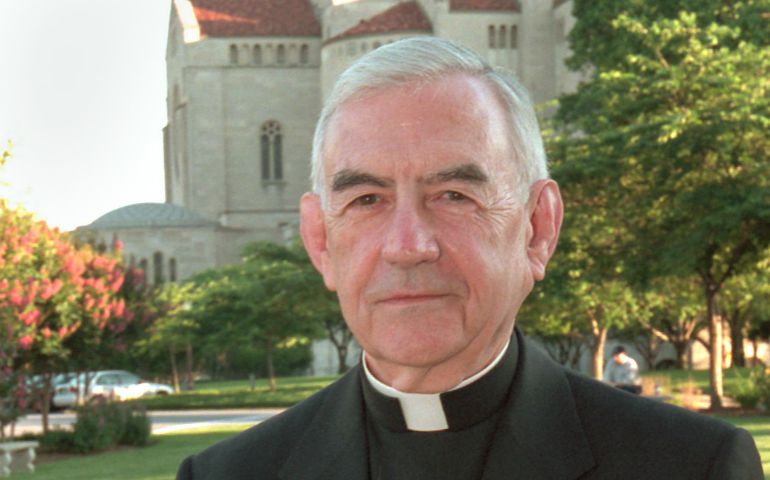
{"x":239,"y":394}
{"x":678,"y":380}
{"x":159,"y":461}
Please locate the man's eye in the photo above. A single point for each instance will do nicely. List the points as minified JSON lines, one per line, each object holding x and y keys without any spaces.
{"x":366,"y":200}
{"x":455,"y":196}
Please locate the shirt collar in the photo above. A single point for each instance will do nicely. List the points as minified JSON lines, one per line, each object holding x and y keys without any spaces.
{"x":469,"y":402}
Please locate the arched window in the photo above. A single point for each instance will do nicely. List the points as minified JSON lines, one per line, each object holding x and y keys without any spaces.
{"x":280,"y":57}
{"x":257,"y":55}
{"x":157,"y":268}
{"x":271,"y":143}
{"x":233,"y":54}
{"x":501,"y":34}
{"x":304,"y":54}
{"x":491,"y":37}
{"x":172,"y":269}
{"x":514,"y":35}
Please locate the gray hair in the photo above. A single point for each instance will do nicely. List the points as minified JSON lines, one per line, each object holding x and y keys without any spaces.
{"x":423,"y":59}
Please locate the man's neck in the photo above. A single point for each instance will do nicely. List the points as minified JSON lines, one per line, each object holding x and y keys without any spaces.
{"x":434,"y":379}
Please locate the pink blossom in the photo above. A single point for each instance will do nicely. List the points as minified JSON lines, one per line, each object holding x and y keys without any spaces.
{"x":30,"y":317}
{"x":51,"y":289}
{"x":117,"y":282}
{"x":25,"y":342}
{"x":15,"y":296}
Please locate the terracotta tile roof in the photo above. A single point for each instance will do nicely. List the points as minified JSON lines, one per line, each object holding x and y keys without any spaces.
{"x":404,"y":17}
{"x":249,"y":18}
{"x":510,"y":5}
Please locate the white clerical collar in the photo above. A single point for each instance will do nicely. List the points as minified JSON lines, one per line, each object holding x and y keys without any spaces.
{"x":424,"y":412}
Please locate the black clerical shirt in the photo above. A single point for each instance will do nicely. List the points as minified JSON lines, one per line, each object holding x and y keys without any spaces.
{"x":459,"y":452}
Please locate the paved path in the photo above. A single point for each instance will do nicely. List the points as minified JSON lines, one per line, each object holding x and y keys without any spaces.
{"x":163,"y":421}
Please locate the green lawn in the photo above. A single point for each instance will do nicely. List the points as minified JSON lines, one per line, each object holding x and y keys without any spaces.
{"x":676,"y":380}
{"x":160,"y":460}
{"x":157,"y":461}
{"x":238,"y":394}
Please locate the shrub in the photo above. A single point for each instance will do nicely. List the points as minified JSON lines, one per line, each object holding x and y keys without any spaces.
{"x":138,"y":427}
{"x":57,"y":441}
{"x":746,"y":393}
{"x":753,"y":391}
{"x":103,"y":426}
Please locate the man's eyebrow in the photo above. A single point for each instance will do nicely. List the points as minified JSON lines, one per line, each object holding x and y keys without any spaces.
{"x":468,"y":172}
{"x":348,"y":178}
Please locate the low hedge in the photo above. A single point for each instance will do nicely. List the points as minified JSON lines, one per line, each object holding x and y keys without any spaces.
{"x":101,"y":427}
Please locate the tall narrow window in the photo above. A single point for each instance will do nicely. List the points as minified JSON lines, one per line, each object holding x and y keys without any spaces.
{"x":172,"y":269}
{"x":271,"y":147}
{"x":492,"y":37}
{"x":157,"y":268}
{"x":280,"y":58}
{"x":304,"y":54}
{"x":501,"y":34}
{"x":257,"y":53}
{"x":233,"y":54}
{"x":514,"y":35}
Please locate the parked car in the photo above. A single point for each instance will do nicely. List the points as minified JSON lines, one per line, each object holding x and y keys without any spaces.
{"x":105,"y":385}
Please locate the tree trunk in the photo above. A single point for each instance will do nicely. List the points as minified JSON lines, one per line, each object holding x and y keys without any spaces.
{"x":715,"y":341}
{"x":189,"y":366}
{"x":754,"y":357}
{"x":342,"y":356}
{"x":597,"y":350}
{"x":46,"y":401}
{"x":269,"y":365}
{"x":681,"y":354}
{"x":736,"y":340}
{"x":174,"y":369}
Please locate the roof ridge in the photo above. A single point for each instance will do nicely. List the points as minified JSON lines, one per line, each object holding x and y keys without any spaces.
{"x":250,"y":18}
{"x":404,"y":16}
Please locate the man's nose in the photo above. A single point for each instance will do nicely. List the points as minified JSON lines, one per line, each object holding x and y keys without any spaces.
{"x":410,"y":238}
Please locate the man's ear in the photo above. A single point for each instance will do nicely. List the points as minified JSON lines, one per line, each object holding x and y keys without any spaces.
{"x":312,"y":228}
{"x":545,"y":215}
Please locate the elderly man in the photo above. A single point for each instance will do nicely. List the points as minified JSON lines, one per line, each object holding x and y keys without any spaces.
{"x":432,"y":217}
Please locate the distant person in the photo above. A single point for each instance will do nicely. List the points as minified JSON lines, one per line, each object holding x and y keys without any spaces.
{"x":622,"y":371}
{"x":432,"y":216}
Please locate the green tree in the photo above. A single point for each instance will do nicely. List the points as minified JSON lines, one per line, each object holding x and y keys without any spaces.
{"x":318,"y":302}
{"x":174,"y":328}
{"x":260,"y":301}
{"x":673,"y":120}
{"x":742,"y":299}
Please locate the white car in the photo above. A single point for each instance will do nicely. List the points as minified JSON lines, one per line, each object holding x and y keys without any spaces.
{"x":105,"y":385}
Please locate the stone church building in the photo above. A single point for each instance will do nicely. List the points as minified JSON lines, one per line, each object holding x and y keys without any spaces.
{"x":245,"y":84}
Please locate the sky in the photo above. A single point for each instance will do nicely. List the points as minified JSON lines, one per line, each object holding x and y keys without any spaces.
{"x":83,"y":99}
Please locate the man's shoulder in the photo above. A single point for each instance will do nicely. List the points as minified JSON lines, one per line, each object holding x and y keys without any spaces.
{"x":261,"y":450}
{"x":625,"y":429}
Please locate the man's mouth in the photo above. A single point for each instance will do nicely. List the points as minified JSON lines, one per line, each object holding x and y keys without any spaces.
{"x":411,"y":298}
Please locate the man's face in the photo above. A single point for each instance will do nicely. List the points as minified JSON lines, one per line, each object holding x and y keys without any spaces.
{"x":425,"y":241}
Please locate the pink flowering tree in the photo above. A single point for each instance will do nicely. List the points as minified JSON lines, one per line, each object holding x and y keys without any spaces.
{"x":57,"y":301}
